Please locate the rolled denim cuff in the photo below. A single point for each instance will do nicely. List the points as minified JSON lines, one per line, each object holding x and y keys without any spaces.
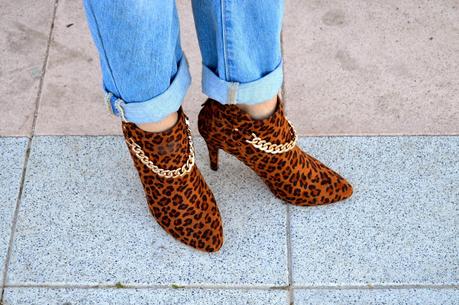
{"x":254,"y":92}
{"x":157,"y":108}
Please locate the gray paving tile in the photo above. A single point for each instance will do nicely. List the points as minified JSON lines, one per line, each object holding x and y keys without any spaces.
{"x":399,"y":227}
{"x":11,"y":165}
{"x":24,"y":30}
{"x":84,"y":220}
{"x":372,"y":67}
{"x":41,"y":296}
{"x":377,"y":296}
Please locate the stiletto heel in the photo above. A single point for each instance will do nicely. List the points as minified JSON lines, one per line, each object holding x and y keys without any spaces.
{"x":213,"y":156}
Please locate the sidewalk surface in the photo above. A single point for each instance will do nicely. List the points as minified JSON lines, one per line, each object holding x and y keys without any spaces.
{"x":372,"y":88}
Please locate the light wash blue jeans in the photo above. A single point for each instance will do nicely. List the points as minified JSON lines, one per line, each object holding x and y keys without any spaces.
{"x":145,"y":73}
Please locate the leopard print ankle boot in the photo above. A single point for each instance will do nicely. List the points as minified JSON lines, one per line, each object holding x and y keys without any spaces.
{"x":177,"y":194}
{"x":269,"y":148}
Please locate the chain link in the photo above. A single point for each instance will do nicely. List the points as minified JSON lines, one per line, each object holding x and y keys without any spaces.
{"x":166,"y":173}
{"x":273,"y":148}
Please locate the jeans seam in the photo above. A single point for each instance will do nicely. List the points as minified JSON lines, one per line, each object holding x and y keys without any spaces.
{"x":224,"y":35}
{"x":103,"y":53}
{"x":227,"y":51}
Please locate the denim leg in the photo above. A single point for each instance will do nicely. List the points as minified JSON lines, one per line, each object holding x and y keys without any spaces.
{"x":240,"y":48}
{"x":145,"y":73}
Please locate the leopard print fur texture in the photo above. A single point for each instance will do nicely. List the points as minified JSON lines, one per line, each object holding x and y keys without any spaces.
{"x":183,"y":206}
{"x":292,"y":176}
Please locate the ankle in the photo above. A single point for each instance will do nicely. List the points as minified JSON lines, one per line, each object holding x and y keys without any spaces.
{"x":163,"y":125}
{"x":262,"y":110}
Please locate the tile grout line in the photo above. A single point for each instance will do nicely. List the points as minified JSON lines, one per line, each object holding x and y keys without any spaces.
{"x":378,"y":286}
{"x":43,"y":69}
{"x":15,"y":213}
{"x":232,"y":286}
{"x":291,"y":299}
{"x":27,"y":154}
{"x":147,"y":286}
{"x":283,"y":93}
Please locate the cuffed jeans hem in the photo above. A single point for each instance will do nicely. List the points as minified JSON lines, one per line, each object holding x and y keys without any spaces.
{"x":254,"y":92}
{"x":157,"y":108}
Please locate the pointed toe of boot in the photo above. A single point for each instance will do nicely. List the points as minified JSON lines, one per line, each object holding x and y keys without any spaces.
{"x":204,"y":229}
{"x":210,"y":244}
{"x":331,"y":187}
{"x":191,"y":215}
{"x":312,"y":183}
{"x":327,"y":186}
{"x":199,"y":235}
{"x":346,"y":189}
{"x":337,"y":191}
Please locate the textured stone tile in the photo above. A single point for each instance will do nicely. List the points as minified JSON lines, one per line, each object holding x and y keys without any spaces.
{"x":377,"y":296}
{"x":11,"y":165}
{"x":39,"y":296}
{"x":400,"y":227}
{"x":372,"y":67}
{"x":24,"y":30}
{"x":84,"y":220}
{"x":72,"y":102}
